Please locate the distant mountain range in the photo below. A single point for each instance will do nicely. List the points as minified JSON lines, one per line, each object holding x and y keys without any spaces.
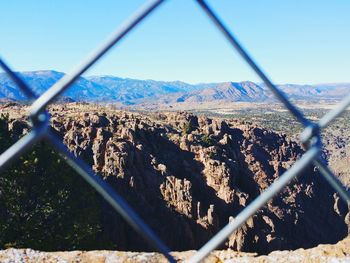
{"x":133,"y":91}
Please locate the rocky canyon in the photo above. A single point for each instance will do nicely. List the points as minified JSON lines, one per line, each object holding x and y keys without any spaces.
{"x":187,"y":176}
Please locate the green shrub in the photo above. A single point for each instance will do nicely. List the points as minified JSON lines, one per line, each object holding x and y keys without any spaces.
{"x":206,"y":141}
{"x":44,"y":204}
{"x":187,"y":129}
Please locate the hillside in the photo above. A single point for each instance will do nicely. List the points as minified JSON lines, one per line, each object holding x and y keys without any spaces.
{"x":197,"y":173}
{"x":132,"y":91}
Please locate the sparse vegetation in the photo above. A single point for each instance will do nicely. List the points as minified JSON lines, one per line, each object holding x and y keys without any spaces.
{"x":159,"y":156}
{"x":206,"y":141}
{"x":187,"y":128}
{"x":44,"y":204}
{"x":335,"y":137}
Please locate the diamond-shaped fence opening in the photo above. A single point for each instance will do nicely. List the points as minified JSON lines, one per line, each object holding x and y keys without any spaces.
{"x":310,"y":137}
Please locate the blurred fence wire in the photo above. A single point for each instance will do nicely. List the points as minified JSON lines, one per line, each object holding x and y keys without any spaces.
{"x":41,"y":130}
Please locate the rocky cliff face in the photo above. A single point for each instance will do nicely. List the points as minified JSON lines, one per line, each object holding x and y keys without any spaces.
{"x":188,"y":176}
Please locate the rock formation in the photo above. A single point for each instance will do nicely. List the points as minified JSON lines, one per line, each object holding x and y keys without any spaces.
{"x":188,"y":176}
{"x":339,"y":252}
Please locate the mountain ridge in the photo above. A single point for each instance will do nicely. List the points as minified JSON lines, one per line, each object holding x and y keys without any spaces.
{"x":128,"y":91}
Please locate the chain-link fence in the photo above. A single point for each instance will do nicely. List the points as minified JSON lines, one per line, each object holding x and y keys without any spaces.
{"x":39,"y":117}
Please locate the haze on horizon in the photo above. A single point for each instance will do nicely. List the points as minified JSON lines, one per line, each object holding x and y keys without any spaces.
{"x":294,"y":42}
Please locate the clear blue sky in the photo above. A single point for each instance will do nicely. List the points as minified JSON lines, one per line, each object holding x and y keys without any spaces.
{"x":294,"y":41}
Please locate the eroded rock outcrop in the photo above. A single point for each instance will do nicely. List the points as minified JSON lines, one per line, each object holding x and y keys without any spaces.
{"x":188,"y":176}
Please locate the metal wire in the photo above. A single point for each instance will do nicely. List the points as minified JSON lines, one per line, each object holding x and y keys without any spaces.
{"x":40,"y":121}
{"x":110,"y":195}
{"x":21,"y":146}
{"x":254,"y":206}
{"x":332,"y":179}
{"x":244,"y":54}
{"x":69,"y":79}
{"x":19,"y":82}
{"x":336,"y":112}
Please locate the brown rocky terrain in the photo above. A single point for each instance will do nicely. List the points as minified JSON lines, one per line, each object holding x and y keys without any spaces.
{"x":193,"y":174}
{"x":339,"y":252}
{"x":337,"y":149}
